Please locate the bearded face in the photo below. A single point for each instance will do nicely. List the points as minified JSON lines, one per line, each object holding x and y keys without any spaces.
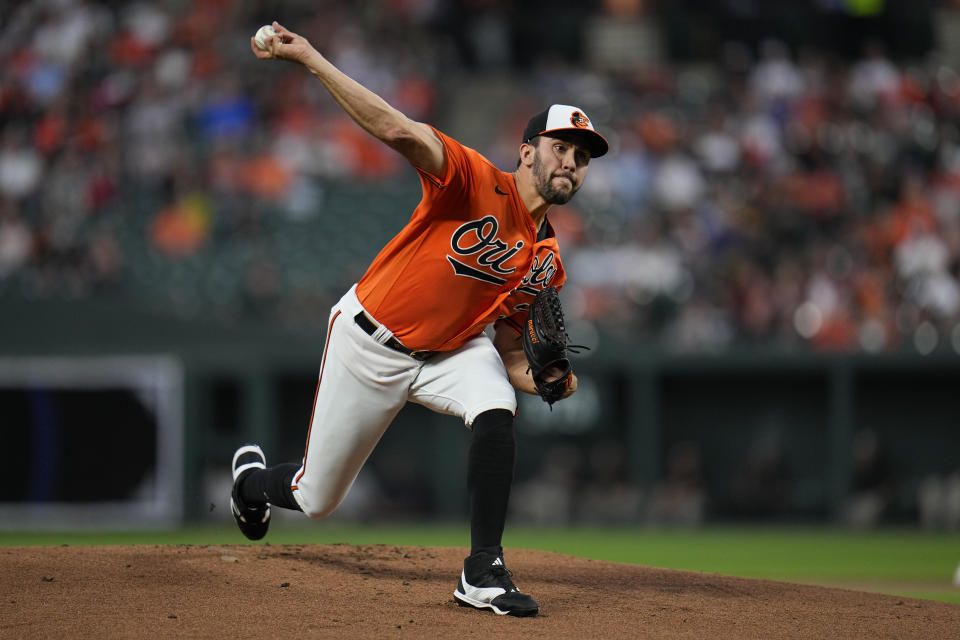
{"x":554,"y":186}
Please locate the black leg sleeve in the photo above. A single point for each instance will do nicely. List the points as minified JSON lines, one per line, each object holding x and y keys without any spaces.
{"x":270,"y":485}
{"x":489,"y":476}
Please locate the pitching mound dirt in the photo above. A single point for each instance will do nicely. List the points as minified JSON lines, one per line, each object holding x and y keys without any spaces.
{"x":342,"y":591}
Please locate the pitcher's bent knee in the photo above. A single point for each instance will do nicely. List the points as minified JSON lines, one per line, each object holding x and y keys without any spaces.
{"x":320,"y":513}
{"x":316,"y":509}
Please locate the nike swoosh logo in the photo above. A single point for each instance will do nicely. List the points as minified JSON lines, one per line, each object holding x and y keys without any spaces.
{"x":497,"y":189}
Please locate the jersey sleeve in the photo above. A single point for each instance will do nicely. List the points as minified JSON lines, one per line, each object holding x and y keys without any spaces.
{"x":458,"y":168}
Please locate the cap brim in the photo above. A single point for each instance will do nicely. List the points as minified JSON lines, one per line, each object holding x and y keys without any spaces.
{"x":595,"y":143}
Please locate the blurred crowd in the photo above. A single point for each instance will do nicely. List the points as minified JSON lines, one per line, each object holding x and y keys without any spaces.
{"x":794,"y":200}
{"x":767,"y":196}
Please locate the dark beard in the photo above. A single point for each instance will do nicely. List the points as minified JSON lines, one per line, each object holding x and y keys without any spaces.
{"x":544,"y":183}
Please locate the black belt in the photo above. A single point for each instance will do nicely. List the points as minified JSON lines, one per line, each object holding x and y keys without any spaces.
{"x":367,"y":325}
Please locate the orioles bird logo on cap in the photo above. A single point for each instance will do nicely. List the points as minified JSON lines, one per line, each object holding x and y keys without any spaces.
{"x":579,"y":120}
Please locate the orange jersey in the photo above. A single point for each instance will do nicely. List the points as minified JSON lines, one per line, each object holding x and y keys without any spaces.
{"x":468,"y":256}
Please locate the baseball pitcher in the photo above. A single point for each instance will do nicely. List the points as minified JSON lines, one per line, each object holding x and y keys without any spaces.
{"x":476,"y":252}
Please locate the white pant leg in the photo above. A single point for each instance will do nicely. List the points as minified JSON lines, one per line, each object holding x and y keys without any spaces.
{"x":465,"y":382}
{"x":362,"y":387}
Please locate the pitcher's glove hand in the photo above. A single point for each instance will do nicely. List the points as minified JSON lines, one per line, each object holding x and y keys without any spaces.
{"x":545,"y":343}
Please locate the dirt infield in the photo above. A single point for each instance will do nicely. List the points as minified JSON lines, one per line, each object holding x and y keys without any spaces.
{"x":342,"y":591}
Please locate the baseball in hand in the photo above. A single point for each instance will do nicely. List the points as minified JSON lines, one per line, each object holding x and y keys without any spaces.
{"x":263,"y":33}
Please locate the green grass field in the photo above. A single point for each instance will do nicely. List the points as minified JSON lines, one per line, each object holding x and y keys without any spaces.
{"x":901,"y":562}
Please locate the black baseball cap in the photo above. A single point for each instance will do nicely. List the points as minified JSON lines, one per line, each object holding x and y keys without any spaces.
{"x":563,"y":118}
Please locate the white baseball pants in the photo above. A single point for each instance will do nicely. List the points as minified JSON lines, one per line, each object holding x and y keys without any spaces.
{"x":362,"y":387}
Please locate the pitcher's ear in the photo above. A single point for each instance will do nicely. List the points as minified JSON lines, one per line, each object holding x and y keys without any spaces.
{"x":527,"y":149}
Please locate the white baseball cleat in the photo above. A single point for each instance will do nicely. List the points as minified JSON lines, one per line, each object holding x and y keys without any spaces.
{"x":489,"y":587}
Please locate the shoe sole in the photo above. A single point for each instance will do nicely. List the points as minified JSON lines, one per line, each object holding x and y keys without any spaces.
{"x":464,"y":601}
{"x":246,"y":528}
{"x":251,"y":530}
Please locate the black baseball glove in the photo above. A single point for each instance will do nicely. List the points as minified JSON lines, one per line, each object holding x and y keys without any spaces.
{"x":545,"y":343}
